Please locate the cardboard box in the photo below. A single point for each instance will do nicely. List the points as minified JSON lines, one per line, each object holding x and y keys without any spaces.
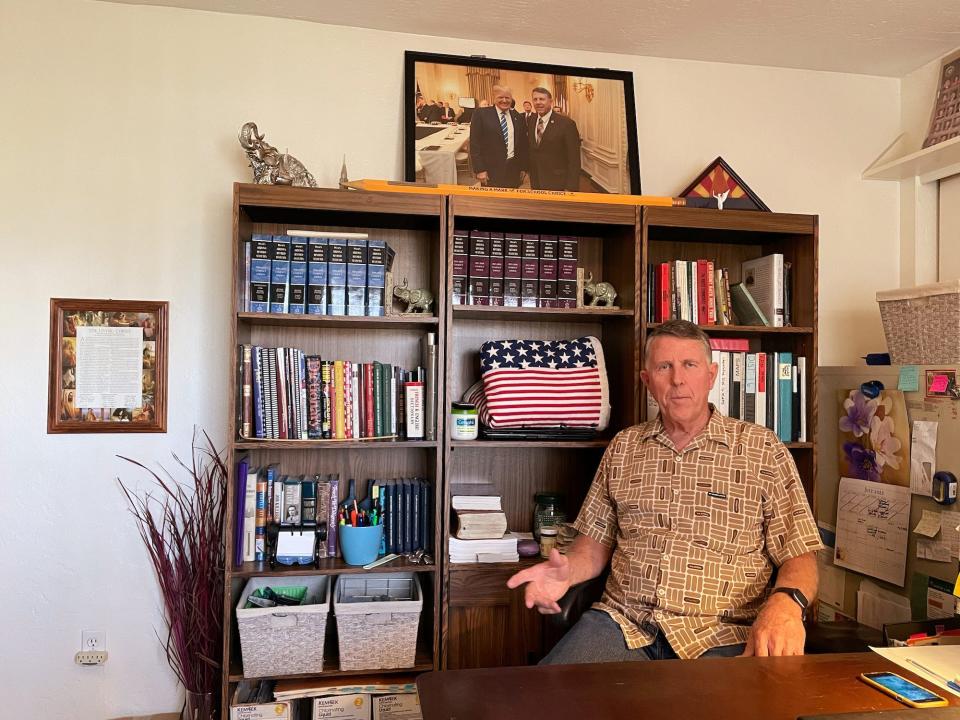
{"x":405,"y":706}
{"x":264,"y":711}
{"x":342,"y":707}
{"x":248,"y":703}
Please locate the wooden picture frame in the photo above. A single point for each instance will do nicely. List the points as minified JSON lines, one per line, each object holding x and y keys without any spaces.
{"x":96,"y":384}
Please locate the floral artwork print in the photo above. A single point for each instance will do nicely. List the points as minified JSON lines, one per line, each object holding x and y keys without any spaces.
{"x":874,"y":437}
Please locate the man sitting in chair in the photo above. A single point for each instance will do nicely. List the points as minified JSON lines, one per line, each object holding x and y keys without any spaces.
{"x":693,"y":511}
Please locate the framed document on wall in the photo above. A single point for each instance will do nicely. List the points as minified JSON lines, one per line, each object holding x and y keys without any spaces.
{"x":108,"y":366}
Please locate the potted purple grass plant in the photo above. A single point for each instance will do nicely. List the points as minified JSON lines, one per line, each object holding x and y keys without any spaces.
{"x":181,"y":524}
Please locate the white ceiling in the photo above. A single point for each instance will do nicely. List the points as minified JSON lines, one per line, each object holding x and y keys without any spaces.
{"x":873,"y":37}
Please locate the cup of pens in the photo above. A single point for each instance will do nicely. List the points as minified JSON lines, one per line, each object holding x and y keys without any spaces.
{"x":360,"y":544}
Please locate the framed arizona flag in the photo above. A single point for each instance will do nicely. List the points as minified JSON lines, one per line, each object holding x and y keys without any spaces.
{"x":723,"y":185}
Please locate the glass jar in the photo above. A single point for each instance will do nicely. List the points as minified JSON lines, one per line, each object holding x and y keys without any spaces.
{"x":548,"y":511}
{"x":548,"y":540}
{"x":464,"y":421}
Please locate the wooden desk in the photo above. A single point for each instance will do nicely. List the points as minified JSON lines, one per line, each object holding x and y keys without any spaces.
{"x":705,"y":689}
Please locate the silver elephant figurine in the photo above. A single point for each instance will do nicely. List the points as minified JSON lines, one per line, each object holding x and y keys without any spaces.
{"x":271,"y":167}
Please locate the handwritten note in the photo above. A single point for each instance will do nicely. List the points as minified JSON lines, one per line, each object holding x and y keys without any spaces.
{"x":939,"y":384}
{"x":935,"y":550}
{"x":929,"y":524}
{"x":909,"y":378}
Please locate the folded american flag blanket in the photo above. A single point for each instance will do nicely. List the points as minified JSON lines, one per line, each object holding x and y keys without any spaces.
{"x":542,"y":383}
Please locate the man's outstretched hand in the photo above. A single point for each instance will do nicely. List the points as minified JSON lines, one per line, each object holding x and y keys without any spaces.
{"x":546,"y":582}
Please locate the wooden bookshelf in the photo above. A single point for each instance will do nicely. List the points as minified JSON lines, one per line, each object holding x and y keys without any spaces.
{"x":728,"y":238}
{"x":415,"y":227}
{"x":470,"y":619}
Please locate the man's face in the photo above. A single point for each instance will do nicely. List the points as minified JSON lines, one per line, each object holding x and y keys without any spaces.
{"x":503,"y":99}
{"x":542,"y":102}
{"x":527,"y":107}
{"x":679,"y":375}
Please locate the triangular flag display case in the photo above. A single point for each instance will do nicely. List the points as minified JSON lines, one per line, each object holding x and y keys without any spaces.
{"x":719,"y":178}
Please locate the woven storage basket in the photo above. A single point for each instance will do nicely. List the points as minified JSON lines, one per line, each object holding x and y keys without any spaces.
{"x":922,"y":323}
{"x":284,"y":640}
{"x":378,"y":615}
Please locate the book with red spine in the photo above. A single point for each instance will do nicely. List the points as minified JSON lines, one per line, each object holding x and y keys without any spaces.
{"x":730,"y":344}
{"x":711,"y":295}
{"x":663,"y":292}
{"x":702,"y":309}
{"x":370,"y":416}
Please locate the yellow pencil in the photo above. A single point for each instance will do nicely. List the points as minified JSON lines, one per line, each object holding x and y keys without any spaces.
{"x":556,"y":195}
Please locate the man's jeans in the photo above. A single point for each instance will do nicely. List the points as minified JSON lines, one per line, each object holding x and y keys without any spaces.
{"x":596,"y":638}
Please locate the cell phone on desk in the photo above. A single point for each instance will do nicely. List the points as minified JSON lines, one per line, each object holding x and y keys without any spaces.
{"x":899,"y":688}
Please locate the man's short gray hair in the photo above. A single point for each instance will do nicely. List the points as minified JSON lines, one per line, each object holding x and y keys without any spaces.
{"x":682,"y":329}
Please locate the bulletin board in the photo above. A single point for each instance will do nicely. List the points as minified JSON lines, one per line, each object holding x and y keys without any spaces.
{"x":946,"y":411}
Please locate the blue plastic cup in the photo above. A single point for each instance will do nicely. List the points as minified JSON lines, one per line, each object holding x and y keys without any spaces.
{"x":360,"y":545}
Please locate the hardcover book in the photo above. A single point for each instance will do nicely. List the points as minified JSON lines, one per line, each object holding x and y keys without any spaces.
{"x":566,"y":293}
{"x":337,"y":276}
{"x":356,"y":277}
{"x":461,"y":246}
{"x":298,"y":276}
{"x":745,"y":306}
{"x":512,"y":268}
{"x":548,"y":257}
{"x":377,"y":252}
{"x":280,"y":274}
{"x":479,"y":268}
{"x":568,"y":257}
{"x":317,"y":276}
{"x":261,"y":248}
{"x":497,"y":241}
{"x":764,"y":278}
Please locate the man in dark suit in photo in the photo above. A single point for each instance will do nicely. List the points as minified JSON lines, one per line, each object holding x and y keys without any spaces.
{"x":554,"y":146}
{"x":446,"y":113}
{"x":433,"y":112}
{"x":498,"y":142}
{"x":528,"y":112}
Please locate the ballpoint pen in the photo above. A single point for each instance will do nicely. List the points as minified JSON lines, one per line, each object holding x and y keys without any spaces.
{"x":950,"y":683}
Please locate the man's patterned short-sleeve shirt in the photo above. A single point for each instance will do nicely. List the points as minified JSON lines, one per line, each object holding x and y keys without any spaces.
{"x":695,"y":533}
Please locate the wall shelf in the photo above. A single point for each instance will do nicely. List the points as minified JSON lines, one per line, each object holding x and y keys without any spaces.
{"x":929,"y":164}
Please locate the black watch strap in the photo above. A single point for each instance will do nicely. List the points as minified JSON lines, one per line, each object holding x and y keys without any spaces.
{"x":798,"y":597}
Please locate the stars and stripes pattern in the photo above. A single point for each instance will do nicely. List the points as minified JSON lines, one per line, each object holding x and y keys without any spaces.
{"x":537,"y":383}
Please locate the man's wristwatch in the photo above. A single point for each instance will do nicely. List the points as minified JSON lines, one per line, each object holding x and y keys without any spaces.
{"x":798,"y":597}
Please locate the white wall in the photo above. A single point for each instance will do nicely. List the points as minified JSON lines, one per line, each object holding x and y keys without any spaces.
{"x":121,"y":122}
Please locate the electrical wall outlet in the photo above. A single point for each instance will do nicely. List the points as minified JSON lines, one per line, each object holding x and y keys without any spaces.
{"x":91,"y":657}
{"x":93,"y":640}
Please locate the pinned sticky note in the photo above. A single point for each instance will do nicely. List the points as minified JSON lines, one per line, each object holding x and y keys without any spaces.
{"x":909,"y":378}
{"x":939,"y":384}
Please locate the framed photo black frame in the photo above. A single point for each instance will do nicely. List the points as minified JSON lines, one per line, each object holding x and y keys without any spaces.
{"x":449,"y":136}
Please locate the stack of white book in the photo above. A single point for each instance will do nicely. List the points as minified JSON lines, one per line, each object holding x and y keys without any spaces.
{"x":479,"y":517}
{"x":502,"y":549}
{"x":491,"y":543}
{"x":476,"y":502}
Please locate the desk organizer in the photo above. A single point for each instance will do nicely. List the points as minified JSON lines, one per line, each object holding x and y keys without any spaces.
{"x":284,"y":640}
{"x":378,"y":616}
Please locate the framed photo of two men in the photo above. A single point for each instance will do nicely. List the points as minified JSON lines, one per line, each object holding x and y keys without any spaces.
{"x":498,"y":123}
